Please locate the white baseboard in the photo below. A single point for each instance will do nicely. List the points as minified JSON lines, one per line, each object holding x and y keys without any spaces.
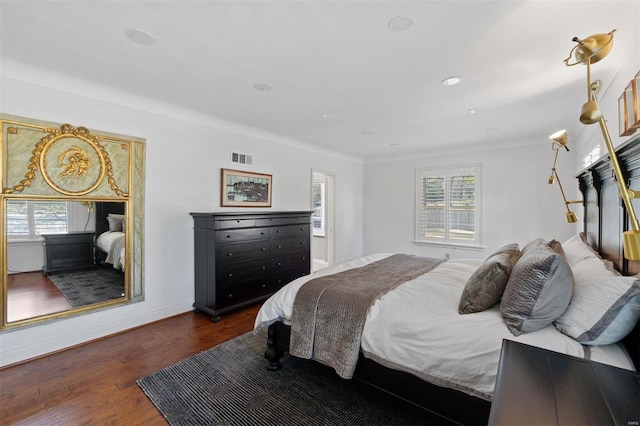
{"x":35,"y":348}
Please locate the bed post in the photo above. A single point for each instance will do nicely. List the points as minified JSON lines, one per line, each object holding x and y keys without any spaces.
{"x":277,"y":344}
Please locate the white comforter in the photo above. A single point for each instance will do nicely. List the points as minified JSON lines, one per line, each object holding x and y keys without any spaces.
{"x":112,"y":243}
{"x":417,"y":328}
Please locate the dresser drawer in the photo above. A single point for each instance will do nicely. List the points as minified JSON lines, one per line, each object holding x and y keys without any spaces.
{"x":277,"y":221}
{"x":290,"y":261}
{"x":249,"y":290}
{"x":242,"y":235}
{"x":234,"y":274}
{"x":289,"y":245}
{"x":229,"y":254}
{"x":236,"y":223}
{"x":290,"y":231}
{"x":285,"y":277}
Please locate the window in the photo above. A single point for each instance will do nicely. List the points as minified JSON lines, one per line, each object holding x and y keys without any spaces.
{"x":30,"y":218}
{"x":448,"y":206}
{"x":318,"y":209}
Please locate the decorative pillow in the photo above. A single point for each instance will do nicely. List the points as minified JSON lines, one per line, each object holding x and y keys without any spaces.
{"x":486,"y":285}
{"x":115,"y":222}
{"x":538,"y":290}
{"x":605,"y":305}
{"x":557,"y":247}
{"x":577,"y":249}
{"x":512,"y":250}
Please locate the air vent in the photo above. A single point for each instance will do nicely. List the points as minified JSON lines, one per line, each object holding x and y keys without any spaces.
{"x":241,"y":158}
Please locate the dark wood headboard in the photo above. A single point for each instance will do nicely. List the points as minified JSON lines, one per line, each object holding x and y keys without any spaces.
{"x":605,"y":216}
{"x":102,"y":211}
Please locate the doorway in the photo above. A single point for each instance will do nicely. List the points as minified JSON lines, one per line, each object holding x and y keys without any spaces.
{"x":322,"y":205}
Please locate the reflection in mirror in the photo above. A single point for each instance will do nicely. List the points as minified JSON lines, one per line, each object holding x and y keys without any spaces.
{"x":63,"y":256}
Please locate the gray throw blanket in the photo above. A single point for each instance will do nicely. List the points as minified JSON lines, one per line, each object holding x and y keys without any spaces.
{"x":329,"y":312}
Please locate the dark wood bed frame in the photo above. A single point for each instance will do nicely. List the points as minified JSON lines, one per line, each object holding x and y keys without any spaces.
{"x":604,"y":219}
{"x":102,"y":210}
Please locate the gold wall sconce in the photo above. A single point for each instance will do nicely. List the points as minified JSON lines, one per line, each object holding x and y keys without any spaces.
{"x":587,"y":52}
{"x":559,"y":139}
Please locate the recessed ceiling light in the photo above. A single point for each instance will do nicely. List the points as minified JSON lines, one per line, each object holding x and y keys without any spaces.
{"x":140,"y":36}
{"x":262,"y":87}
{"x":450,"y":81}
{"x":400,"y":23}
{"x":394,"y":144}
{"x":327,"y":115}
{"x":474,"y":111}
{"x":367,"y":133}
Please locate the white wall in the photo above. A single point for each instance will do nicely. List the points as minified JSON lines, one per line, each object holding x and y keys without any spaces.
{"x":518,"y":204}
{"x":183,"y":161}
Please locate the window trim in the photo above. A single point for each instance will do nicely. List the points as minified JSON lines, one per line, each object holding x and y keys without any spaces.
{"x":477,"y":244}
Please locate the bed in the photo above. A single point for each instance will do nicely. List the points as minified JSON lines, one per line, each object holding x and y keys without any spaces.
{"x":415,"y":344}
{"x":110,"y":231}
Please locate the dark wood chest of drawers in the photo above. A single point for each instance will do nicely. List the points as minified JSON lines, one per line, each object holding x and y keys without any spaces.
{"x":65,"y":252}
{"x":243,"y":258}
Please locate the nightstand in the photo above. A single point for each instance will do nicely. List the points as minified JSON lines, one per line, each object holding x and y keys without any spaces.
{"x":540,"y":387}
{"x":65,"y":252}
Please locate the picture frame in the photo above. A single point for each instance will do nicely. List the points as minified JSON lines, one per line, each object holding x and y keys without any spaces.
{"x":626,"y":110}
{"x":240,"y":188}
{"x":635,"y":87}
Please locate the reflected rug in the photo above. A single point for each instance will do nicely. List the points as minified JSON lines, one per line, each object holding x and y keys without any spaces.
{"x":230,"y":385}
{"x":89,"y":286}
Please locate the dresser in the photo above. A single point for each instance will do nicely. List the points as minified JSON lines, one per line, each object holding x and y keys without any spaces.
{"x":65,"y":252}
{"x":540,"y":387}
{"x":243,"y":258}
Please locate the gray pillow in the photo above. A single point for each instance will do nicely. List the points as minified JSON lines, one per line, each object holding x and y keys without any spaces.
{"x":512,"y":250}
{"x":115,"y":222}
{"x":486,"y":285}
{"x":538,"y":291}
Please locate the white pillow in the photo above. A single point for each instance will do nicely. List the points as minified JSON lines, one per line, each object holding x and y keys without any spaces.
{"x":577,"y":249}
{"x":605,"y":306}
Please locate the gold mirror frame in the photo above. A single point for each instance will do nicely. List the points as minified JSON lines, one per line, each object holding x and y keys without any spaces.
{"x":60,"y":162}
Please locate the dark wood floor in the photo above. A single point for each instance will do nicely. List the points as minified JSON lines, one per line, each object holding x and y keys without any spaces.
{"x":31,"y":294}
{"x":96,"y":383}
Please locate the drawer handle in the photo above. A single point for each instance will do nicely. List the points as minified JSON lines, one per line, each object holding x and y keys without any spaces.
{"x":230,"y":274}
{"x":263,"y":285}
{"x":229,"y":254}
{"x":279,"y":263}
{"x":230,"y":295}
{"x":301,"y":242}
{"x":279,"y":281}
{"x":228,"y":236}
{"x":263,"y":249}
{"x":264,"y":267}
{"x":304,"y":258}
{"x":279,"y":246}
{"x":278,"y":231}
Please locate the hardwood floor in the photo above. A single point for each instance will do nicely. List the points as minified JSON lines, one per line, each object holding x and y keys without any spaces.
{"x":31,"y":294}
{"x":96,"y":383}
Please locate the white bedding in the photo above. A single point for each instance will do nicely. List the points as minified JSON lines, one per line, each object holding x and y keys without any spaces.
{"x":417,"y":328}
{"x":112,"y":243}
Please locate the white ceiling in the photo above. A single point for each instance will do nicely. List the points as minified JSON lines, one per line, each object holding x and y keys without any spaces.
{"x":382,"y":88}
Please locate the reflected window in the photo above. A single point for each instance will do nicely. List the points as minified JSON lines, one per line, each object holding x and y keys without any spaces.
{"x":318,"y":209}
{"x":30,"y":218}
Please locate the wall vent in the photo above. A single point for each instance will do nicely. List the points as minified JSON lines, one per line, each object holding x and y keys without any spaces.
{"x":236,"y":157}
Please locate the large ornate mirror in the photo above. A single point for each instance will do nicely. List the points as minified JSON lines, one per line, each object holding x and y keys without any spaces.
{"x":72,"y":219}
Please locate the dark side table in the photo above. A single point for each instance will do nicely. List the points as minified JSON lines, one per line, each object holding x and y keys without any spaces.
{"x":535,"y":386}
{"x":69,"y":251}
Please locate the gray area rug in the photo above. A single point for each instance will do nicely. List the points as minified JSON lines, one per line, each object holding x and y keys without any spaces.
{"x":89,"y":286}
{"x":230,"y":385}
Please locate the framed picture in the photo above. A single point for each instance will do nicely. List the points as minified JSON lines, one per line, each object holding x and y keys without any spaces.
{"x":625,"y":111}
{"x":635,"y":86}
{"x":245,"y":189}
